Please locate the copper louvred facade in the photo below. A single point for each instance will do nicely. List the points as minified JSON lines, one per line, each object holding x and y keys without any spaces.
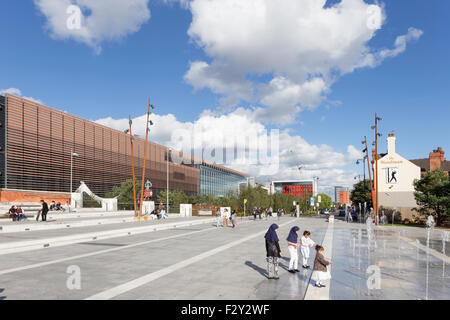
{"x":37,"y":144}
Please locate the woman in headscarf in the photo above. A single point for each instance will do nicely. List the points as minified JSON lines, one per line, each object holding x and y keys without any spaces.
{"x":273,"y":251}
{"x":292,"y":240}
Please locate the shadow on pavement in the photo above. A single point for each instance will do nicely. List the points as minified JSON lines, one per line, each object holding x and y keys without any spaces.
{"x":2,"y":297}
{"x":257,"y":268}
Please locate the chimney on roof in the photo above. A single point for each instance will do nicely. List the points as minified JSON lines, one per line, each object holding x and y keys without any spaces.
{"x":391,"y":143}
{"x":436,"y":158}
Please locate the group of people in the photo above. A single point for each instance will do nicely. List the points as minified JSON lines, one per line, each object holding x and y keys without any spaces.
{"x":158,"y":214}
{"x":273,"y":253}
{"x":15,"y":213}
{"x":58,"y":207}
{"x":268,"y":212}
{"x":224,"y":216}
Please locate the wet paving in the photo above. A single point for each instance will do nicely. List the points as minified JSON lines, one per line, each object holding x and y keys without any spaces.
{"x":406,"y":271}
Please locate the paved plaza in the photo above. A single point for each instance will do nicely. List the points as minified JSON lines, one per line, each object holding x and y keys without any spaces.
{"x":190,"y":258}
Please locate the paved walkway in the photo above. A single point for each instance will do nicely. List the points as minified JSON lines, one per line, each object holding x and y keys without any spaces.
{"x":205,"y":262}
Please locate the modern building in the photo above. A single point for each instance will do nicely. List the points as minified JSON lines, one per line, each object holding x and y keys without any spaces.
{"x":435,"y":160}
{"x":218,"y":180}
{"x":296,"y":188}
{"x":37,"y":144}
{"x":344,"y":197}
{"x":396,"y":177}
{"x":337,"y":191}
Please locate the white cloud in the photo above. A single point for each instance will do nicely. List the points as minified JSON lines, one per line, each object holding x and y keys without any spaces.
{"x":18,"y":92}
{"x":320,"y":160}
{"x":292,"y":50}
{"x":103,"y":20}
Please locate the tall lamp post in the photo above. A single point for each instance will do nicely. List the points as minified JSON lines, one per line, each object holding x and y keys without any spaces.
{"x":149,"y":122}
{"x":366,"y":150}
{"x":167,"y":191}
{"x":72,"y":154}
{"x":130,"y":122}
{"x":375,"y":127}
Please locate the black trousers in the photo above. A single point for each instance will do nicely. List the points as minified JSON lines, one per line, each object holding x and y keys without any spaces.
{"x":44,"y":216}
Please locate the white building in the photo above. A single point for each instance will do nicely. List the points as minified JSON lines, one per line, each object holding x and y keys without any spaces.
{"x":396,"y":176}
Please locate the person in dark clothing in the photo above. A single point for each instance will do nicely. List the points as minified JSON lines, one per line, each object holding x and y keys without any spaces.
{"x":12,"y":213}
{"x":254,"y":212}
{"x":43,"y":211}
{"x":260,"y":210}
{"x":273,"y":251}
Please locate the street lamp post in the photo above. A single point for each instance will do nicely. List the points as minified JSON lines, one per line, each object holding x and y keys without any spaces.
{"x":167,"y":191}
{"x":72,"y":154}
{"x":376,"y":207}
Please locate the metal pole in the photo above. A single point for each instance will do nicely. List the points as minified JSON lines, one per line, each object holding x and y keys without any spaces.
{"x":145,"y":159}
{"x":368,"y":167}
{"x":132,"y":168}
{"x":71,"y":168}
{"x":376,"y":165}
{"x":167,"y":191}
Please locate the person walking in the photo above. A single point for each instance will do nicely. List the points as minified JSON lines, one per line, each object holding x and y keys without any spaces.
{"x":260,"y":212}
{"x":273,"y":251}
{"x":225,"y":218}
{"x":219,"y":218}
{"x":292,"y":240}
{"x":233,"y":218}
{"x":254,"y":213}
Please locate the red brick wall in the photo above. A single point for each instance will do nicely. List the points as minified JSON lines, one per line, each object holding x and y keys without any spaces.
{"x":32,"y":196}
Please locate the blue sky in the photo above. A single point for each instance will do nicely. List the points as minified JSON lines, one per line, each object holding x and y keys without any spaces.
{"x":410,"y":91}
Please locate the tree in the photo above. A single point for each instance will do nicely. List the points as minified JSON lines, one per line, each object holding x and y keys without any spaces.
{"x":176,"y":197}
{"x":325,"y":201}
{"x":124,"y":193}
{"x":432,"y":194}
{"x":361,"y":193}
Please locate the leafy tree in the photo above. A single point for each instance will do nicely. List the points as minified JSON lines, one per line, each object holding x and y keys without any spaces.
{"x":124,"y":194}
{"x":432,"y":194}
{"x":361,"y":193}
{"x":325,"y":201}
{"x":176,"y":197}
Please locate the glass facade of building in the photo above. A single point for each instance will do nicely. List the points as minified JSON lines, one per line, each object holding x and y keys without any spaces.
{"x":218,"y":180}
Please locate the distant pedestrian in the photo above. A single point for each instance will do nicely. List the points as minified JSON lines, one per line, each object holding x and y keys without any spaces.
{"x":273,"y":251}
{"x":292,"y":240}
{"x":219,"y":218}
{"x":225,"y":218}
{"x":43,"y":211}
{"x":260,"y":210}
{"x":321,"y":272}
{"x":306,"y":244}
{"x":233,"y":218}
{"x":255,"y":210}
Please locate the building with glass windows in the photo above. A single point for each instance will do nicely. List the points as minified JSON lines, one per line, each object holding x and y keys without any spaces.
{"x":37,"y":144}
{"x":219,"y":180}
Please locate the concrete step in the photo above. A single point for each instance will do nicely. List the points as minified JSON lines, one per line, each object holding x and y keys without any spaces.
{"x":28,"y":245}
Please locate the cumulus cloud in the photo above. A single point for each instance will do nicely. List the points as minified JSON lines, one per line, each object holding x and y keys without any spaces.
{"x":101,"y":20}
{"x":293,"y":51}
{"x":234,"y":129}
{"x":18,"y":92}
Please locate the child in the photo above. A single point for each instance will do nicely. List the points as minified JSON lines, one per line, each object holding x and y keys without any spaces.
{"x":273,"y":251}
{"x":320,"y":273}
{"x":306,"y":244}
{"x":293,"y":249}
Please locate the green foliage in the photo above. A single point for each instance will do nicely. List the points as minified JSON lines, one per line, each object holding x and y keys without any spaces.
{"x":325,"y":202}
{"x":124,"y":192}
{"x":361,"y":193}
{"x":432,"y":193}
